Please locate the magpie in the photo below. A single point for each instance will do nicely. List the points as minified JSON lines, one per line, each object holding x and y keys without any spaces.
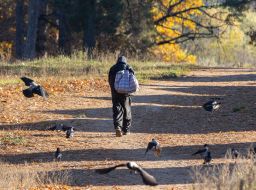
{"x":234,"y":153}
{"x":154,"y":146}
{"x":203,"y":152}
{"x":146,"y":177}
{"x":34,"y":88}
{"x":207,"y":158}
{"x":58,"y":155}
{"x":70,"y":132}
{"x":60,"y":127}
{"x":212,"y":105}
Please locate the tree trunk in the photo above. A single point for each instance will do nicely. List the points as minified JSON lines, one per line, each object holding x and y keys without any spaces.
{"x":19,"y":28}
{"x":89,"y":31}
{"x":64,"y":33}
{"x":33,"y":13}
{"x":42,"y":29}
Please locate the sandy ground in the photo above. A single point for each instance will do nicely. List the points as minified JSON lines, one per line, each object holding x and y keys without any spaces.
{"x":169,"y":111}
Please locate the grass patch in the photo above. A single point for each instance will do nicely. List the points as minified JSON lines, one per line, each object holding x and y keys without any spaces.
{"x":15,"y":177}
{"x":76,"y":66}
{"x":12,"y":139}
{"x":236,"y":175}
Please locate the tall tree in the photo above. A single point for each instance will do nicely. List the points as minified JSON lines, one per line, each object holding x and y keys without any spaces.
{"x":19,"y":28}
{"x":89,"y":28}
{"x":30,"y":45}
{"x":42,"y":29}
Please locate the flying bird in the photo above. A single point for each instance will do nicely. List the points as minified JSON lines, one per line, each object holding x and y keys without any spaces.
{"x":207,"y":158}
{"x":146,"y":177}
{"x":33,"y":88}
{"x":70,"y":132}
{"x":203,"y":152}
{"x":234,"y":153}
{"x":212,"y":105}
{"x":58,"y":155}
{"x":154,"y":146}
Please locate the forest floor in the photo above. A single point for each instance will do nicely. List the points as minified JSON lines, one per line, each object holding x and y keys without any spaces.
{"x":167,"y":110}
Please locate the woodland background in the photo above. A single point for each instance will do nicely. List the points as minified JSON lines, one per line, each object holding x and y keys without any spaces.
{"x":215,"y":32}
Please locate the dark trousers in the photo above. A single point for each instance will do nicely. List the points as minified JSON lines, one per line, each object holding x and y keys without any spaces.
{"x":122,"y":115}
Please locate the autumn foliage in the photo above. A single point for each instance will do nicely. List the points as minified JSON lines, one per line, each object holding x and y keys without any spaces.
{"x":174,"y":27}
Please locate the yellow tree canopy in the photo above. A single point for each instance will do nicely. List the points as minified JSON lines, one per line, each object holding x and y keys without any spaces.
{"x":177,"y":21}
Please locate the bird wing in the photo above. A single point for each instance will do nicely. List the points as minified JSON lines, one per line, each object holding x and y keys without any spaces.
{"x":199,"y":151}
{"x":107,"y":170}
{"x":208,"y":105}
{"x":149,"y":147}
{"x":146,"y":177}
{"x":28,"y":93}
{"x":40,"y":91}
{"x":26,"y":80}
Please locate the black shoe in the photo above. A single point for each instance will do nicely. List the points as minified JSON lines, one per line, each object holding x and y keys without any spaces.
{"x":118,"y":132}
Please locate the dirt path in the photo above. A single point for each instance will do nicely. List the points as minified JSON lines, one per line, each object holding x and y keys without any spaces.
{"x":169,"y":111}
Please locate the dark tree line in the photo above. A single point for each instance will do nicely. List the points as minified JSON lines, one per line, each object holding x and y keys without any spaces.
{"x":63,"y":26}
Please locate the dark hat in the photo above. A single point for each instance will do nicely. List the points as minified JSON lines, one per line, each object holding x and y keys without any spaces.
{"x":122,"y":59}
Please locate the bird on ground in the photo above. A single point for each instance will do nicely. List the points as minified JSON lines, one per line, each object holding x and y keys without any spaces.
{"x":70,"y":132}
{"x":154,"y":146}
{"x":60,"y":127}
{"x":34,"y":88}
{"x":234,"y":153}
{"x":58,"y":155}
{"x":203,"y":152}
{"x":212,"y":105}
{"x":207,"y":158}
{"x":146,"y":177}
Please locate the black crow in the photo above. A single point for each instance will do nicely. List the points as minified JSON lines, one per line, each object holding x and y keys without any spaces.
{"x":207,"y":158}
{"x":34,"y":88}
{"x":203,"y":152}
{"x":154,"y":146}
{"x":58,"y":155}
{"x":146,"y":177}
{"x":212,"y":105}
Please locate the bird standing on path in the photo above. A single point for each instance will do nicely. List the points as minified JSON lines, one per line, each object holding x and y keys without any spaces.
{"x":212,"y":105}
{"x":58,"y":155}
{"x":70,"y":132}
{"x":146,"y":177}
{"x":34,"y":88}
{"x":154,"y":146}
{"x":207,"y":158}
{"x":234,"y":153}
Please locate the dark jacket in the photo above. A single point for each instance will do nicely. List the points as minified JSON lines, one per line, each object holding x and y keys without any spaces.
{"x":119,"y":66}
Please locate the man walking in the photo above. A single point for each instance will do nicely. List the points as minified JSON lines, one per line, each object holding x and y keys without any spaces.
{"x":122,"y":116}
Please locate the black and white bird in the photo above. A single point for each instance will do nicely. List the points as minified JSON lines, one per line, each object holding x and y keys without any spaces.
{"x":70,"y":132}
{"x":58,"y":155}
{"x":33,"y":88}
{"x":234,"y":153}
{"x":207,"y":158}
{"x":146,"y":177}
{"x":154,"y":146}
{"x":212,"y":105}
{"x":60,"y":127}
{"x":202,"y":152}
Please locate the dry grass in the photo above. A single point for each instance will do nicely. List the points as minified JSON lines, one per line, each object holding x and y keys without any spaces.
{"x":236,"y":175}
{"x":20,"y":177}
